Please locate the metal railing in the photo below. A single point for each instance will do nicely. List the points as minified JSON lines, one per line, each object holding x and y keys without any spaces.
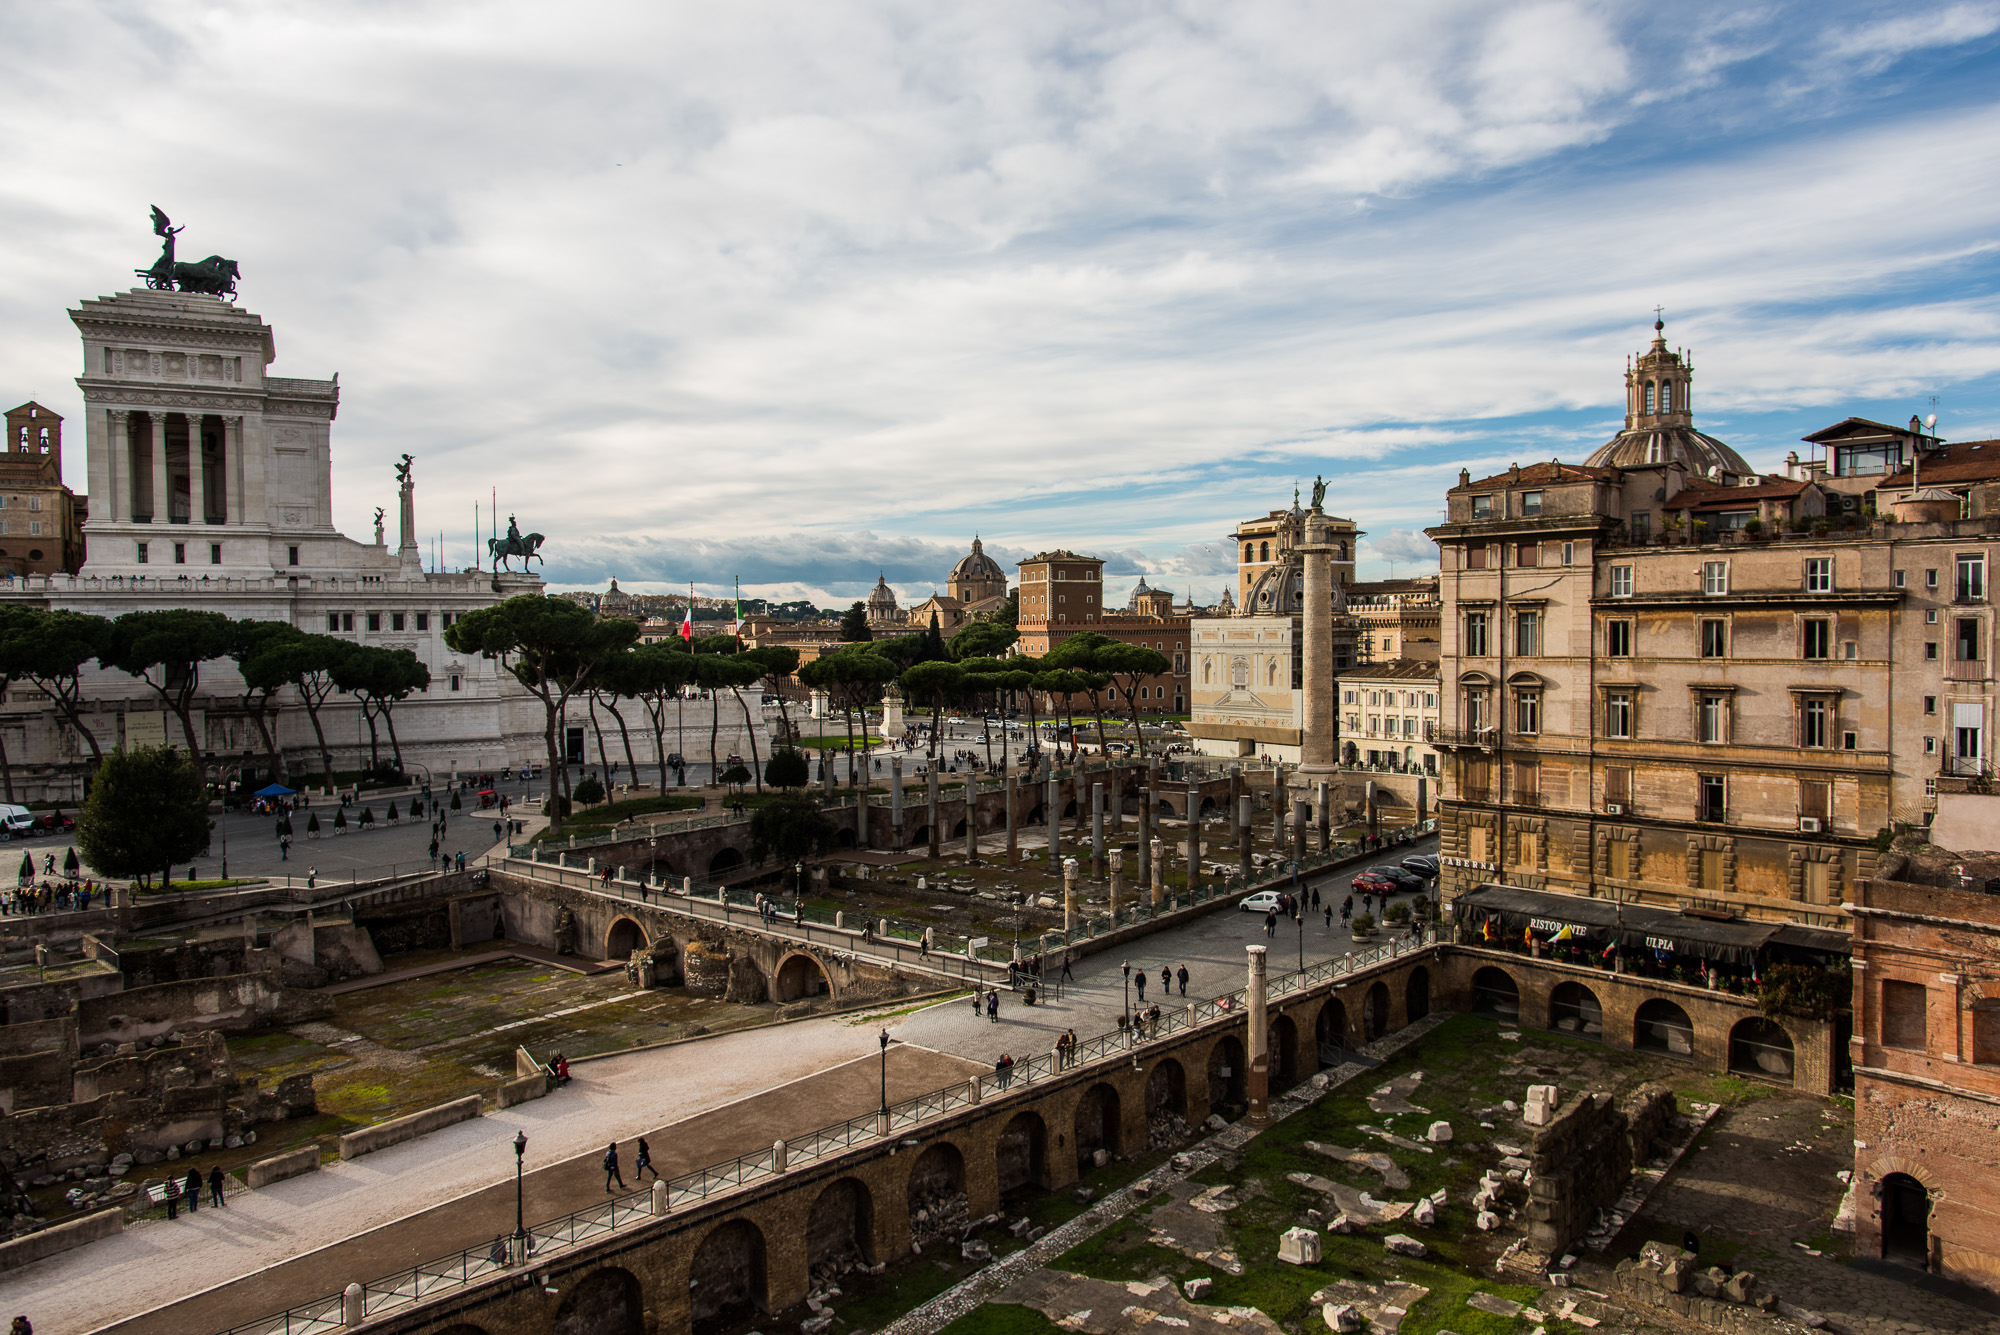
{"x":432,"y":1278}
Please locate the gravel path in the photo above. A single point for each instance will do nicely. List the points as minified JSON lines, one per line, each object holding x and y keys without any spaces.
{"x":154,"y":1263}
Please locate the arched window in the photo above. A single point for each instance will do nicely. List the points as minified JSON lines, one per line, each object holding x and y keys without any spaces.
{"x":1271,"y":675}
{"x":1340,"y":551}
{"x":1264,"y":552}
{"x":1249,"y":552}
{"x":1667,"y":397}
{"x":1207,"y":672}
{"x":1650,"y":390}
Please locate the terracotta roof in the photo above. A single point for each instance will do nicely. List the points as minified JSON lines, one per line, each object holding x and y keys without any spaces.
{"x":1539,"y":474}
{"x":1961,"y":462}
{"x":1708,"y":496}
{"x":1401,"y":669}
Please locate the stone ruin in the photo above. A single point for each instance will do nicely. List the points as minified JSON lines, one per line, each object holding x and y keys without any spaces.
{"x":1663,"y":1275}
{"x":1583,"y":1155}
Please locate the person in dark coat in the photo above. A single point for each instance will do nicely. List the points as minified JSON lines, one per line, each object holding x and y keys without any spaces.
{"x":173,"y":1198}
{"x":611,"y":1169}
{"x":194,"y":1189}
{"x":644,"y":1163}
{"x":1182,"y":977}
{"x":215,"y":1187}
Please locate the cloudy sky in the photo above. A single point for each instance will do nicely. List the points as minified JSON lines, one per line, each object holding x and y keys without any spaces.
{"x":797,"y":292}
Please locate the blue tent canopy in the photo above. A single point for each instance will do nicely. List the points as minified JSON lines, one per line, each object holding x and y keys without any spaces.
{"x":276,"y":790}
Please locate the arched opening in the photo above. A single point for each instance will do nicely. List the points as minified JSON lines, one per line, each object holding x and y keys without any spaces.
{"x":840,"y":1230}
{"x":1225,"y":1077}
{"x":1350,"y":753}
{"x":1022,"y":1155}
{"x":1574,"y":1009}
{"x":1167,"y":809}
{"x":843,"y":838}
{"x":799,"y":977}
{"x":603,"y":1302}
{"x":1035,"y":816}
{"x":1495,"y":993}
{"x":1264,"y":551}
{"x":921,"y":835}
{"x":1661,"y":1026}
{"x":1761,"y":1047}
{"x":1166,"y":1105}
{"x":725,"y":1280}
{"x":1284,"y":1036}
{"x":624,"y":937}
{"x":958,"y":830}
{"x":1069,"y":809}
{"x":1096,"y":1126}
{"x":1207,"y":807}
{"x":1906,"y":1220}
{"x":1330,"y":1029}
{"x":1375,"y":1012}
{"x":725,"y":859}
{"x":1417,"y":993}
{"x":936,"y":1192}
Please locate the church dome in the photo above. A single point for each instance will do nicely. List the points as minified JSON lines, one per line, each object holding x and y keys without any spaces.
{"x":1659,"y":419}
{"x":978,"y":565}
{"x":882,"y":599}
{"x":1144,"y":590}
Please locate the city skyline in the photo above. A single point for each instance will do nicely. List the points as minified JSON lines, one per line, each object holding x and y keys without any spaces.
{"x":862,"y":288}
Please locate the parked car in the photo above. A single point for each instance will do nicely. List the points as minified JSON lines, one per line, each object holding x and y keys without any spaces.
{"x":54,"y":822}
{"x":1368,"y":883}
{"x":1403,"y":880}
{"x":1261,"y":902}
{"x":1423,"y":864}
{"x":16,"y":823}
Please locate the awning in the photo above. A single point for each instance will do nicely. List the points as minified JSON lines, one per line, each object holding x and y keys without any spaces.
{"x":1816,"y":940}
{"x":1596,"y":921}
{"x":275,"y":790}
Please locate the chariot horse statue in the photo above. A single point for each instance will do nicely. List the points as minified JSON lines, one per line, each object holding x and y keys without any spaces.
{"x":527,"y":546}
{"x":214,"y":275}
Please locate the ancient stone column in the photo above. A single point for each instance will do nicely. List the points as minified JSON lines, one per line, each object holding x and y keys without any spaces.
{"x":971,"y":821}
{"x":1146,"y":808}
{"x":1069,"y":871}
{"x":1324,"y":815}
{"x":1117,"y":881}
{"x":1013,"y":845}
{"x":1240,"y":813}
{"x":232,"y":468}
{"x":861,"y":811}
{"x":1299,"y":829}
{"x":1240,"y":833}
{"x":1096,"y":831}
{"x":1194,"y":834}
{"x":896,"y":803}
{"x":197,"y":484}
{"x":931,"y":796}
{"x":1258,"y":1045}
{"x":1318,"y":739}
{"x":1053,"y":812}
{"x":1159,"y":870}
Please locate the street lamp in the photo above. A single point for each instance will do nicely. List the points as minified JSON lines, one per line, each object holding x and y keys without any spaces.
{"x":799,"y":881}
{"x":520,"y":1225}
{"x":885,"y":1072}
{"x":1127,"y":968}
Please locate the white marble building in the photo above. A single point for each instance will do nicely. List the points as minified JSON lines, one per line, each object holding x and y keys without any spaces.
{"x":210,"y":487}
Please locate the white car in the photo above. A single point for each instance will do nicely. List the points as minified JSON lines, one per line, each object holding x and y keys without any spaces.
{"x":1261,"y":902}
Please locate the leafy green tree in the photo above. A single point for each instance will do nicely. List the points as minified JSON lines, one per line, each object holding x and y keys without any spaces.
{"x":854,"y":625}
{"x":307,"y":662}
{"x":1068,"y":685}
{"x":862,"y":674}
{"x":147,"y":811}
{"x":787,"y":769}
{"x":983,"y":639}
{"x":717,"y":644}
{"x":1010,"y":615}
{"x":166,"y":649}
{"x":259,"y":650}
{"x":655,"y":675}
{"x":736,"y":776}
{"x":1078,"y":654}
{"x":618,"y":679}
{"x":717,"y":673}
{"x":590,"y":792}
{"x":790,"y":827}
{"x":552,"y":646}
{"x":905,"y":651}
{"x":779,"y":662}
{"x":934,"y":642}
{"x":1127,"y":665}
{"x":15,"y":621}
{"x":379,"y":679}
{"x":51,"y":651}
{"x":934,"y":682}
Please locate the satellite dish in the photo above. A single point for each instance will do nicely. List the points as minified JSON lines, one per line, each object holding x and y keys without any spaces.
{"x":1930,"y":423}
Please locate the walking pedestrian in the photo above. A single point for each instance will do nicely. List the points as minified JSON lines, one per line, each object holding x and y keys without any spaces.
{"x":1140,"y":979}
{"x":611,"y":1172}
{"x":1166,"y":980}
{"x":1270,"y":922}
{"x":1182,"y":977}
{"x":215,"y":1187}
{"x":1003,"y":1070}
{"x":993,"y":1006}
{"x":312,"y":874}
{"x":978,"y":1000}
{"x":644,"y":1163}
{"x":1067,"y":976}
{"x":461,"y":860}
{"x":1329,"y":915}
{"x":284,"y":850}
{"x":21,"y":1326}
{"x":173,"y":1198}
{"x":194,"y":1189}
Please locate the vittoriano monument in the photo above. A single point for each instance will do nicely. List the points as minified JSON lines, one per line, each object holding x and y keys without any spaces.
{"x":214,"y":275}
{"x":527,"y":546}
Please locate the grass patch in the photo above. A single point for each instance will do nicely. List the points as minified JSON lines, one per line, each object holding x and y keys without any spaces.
{"x":1002,"y":1319}
{"x":599,"y":819}
{"x":832,"y":743}
{"x":182,"y":887}
{"x":875,"y":1017}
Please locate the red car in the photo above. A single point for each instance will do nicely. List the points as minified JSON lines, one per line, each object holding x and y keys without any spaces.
{"x":1368,"y":883}
{"x":54,"y":822}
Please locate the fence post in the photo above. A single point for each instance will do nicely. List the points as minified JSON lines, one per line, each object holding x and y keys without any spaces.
{"x":659,"y":1196}
{"x":352,"y":1307}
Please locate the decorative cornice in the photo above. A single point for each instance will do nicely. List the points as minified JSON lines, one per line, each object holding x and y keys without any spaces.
{"x":299,"y":408}
{"x":256,"y":338}
{"x":115,"y":394}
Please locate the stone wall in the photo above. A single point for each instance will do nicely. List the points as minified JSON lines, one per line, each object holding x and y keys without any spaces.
{"x":1581,"y":1161}
{"x":233,"y":1005}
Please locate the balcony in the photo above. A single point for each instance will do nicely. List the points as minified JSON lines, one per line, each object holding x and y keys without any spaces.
{"x":1483,"y":739}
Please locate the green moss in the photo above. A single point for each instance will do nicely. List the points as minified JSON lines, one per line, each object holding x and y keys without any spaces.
{"x":1002,"y":1319}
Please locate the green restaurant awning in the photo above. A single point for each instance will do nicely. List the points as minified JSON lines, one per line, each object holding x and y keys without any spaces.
{"x":1639,"y":927}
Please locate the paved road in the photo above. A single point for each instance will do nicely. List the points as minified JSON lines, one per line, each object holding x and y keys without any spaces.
{"x":1212,"y":948}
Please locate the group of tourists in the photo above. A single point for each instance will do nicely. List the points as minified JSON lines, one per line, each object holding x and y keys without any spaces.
{"x":188,"y":1193}
{"x":50,"y":897}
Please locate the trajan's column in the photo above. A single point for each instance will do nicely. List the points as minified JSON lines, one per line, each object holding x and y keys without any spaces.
{"x":1319,"y":728}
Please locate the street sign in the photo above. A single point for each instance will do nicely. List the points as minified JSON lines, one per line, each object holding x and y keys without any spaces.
{"x":979,"y":942}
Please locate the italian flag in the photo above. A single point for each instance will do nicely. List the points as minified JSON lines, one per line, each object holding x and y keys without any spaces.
{"x":737,"y":629}
{"x":687,"y":623}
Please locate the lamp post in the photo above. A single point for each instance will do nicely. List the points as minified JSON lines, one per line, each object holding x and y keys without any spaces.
{"x":885,"y":1073}
{"x":520,"y":1225}
{"x":799,"y":881}
{"x":1127,"y":968}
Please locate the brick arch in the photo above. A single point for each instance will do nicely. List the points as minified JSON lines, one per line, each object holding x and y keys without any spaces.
{"x":800,"y":976}
{"x":1330,"y":1021}
{"x":604,"y":1302}
{"x":619,"y":945}
{"x":1486,"y":994}
{"x":841,"y":1224}
{"x":727,"y":1283}
{"x":938,"y":1167}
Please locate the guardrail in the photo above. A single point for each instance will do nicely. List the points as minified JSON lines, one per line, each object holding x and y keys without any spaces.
{"x":432,"y":1278}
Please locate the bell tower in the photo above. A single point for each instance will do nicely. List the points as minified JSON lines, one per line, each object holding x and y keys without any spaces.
{"x":1659,"y":386}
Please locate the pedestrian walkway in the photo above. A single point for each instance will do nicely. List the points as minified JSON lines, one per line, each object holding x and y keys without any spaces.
{"x":698,"y":1104}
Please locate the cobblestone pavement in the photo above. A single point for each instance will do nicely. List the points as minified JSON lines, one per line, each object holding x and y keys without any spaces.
{"x":1763,"y":1179}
